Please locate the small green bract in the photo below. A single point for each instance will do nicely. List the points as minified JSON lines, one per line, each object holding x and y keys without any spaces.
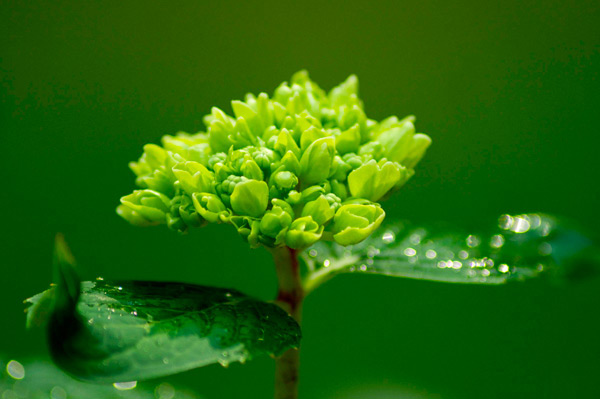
{"x":288,"y":170}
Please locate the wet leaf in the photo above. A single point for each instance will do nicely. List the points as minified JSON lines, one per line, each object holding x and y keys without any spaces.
{"x":519,"y":247}
{"x":134,"y":330}
{"x":40,"y":379}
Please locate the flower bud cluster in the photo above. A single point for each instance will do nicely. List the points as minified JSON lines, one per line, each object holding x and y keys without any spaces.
{"x":287,"y":170}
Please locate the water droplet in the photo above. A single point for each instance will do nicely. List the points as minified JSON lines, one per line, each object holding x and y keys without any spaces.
{"x":473,"y":241}
{"x":430,"y":254}
{"x":58,"y":393}
{"x":497,"y":241}
{"x":545,"y":249}
{"x":534,"y":220}
{"x":312,"y":253}
{"x":372,"y":252}
{"x":10,"y":394}
{"x":410,"y":252}
{"x":485,"y":272}
{"x":540,"y":267}
{"x":326,"y":263}
{"x":164,"y":391}
{"x":456,"y":265}
{"x":120,"y":288}
{"x":124,"y":386}
{"x":99,"y":279}
{"x":503,"y":268}
{"x":165,"y":360}
{"x":91,"y":321}
{"x":478,"y":262}
{"x":369,"y":262}
{"x":505,"y":222}
{"x":520,"y":225}
{"x":15,"y":370}
{"x":363,"y":268}
{"x":228,"y":294}
{"x":441,"y":264}
{"x":415,"y":238}
{"x":388,"y":237}
{"x":545,"y":229}
{"x":463,"y":255}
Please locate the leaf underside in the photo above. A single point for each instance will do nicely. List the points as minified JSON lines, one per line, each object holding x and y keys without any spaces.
{"x":519,"y":247}
{"x":135,"y":330}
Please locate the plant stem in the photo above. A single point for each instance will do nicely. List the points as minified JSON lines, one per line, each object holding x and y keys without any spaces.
{"x":289,"y":298}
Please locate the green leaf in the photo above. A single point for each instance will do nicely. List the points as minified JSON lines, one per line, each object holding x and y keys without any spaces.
{"x":519,"y":247}
{"x":134,"y":330}
{"x":40,"y":379}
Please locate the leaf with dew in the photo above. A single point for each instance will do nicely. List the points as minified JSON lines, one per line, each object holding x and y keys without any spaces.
{"x":518,"y":248}
{"x":134,"y":330}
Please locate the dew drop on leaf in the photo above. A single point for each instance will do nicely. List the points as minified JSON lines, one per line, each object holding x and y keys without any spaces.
{"x":15,"y":370}
{"x":124,"y":386}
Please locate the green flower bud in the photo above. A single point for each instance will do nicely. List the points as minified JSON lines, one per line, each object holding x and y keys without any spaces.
{"x":346,"y":93}
{"x":417,"y":149}
{"x":353,"y":160}
{"x":144,"y":207}
{"x":303,"y":232}
{"x":312,"y":193}
{"x":311,"y":135}
{"x":242,"y":110}
{"x":248,"y":228}
{"x":265,"y":110}
{"x":194,"y":177}
{"x":352,"y":115}
{"x":220,"y":130}
{"x":339,"y":189}
{"x":264,"y":157}
{"x":250,"y":198}
{"x":284,"y":180}
{"x":373,"y":180}
{"x":316,"y":161}
{"x":251,"y":170}
{"x":176,"y":223}
{"x":321,"y":209}
{"x":188,"y":213}
{"x":305,"y":121}
{"x":154,"y":169}
{"x":210,"y":207}
{"x":294,"y":197}
{"x":226,"y":187}
{"x":193,"y":147}
{"x":218,"y":158}
{"x":397,"y":141}
{"x":285,"y":142}
{"x":371,"y":150}
{"x":289,"y":162}
{"x":353,"y":223}
{"x":277,"y":219}
{"x":348,"y":140}
{"x":334,"y":201}
{"x":339,"y":169}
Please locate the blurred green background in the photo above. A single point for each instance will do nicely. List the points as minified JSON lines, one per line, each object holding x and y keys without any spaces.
{"x":509,"y":91}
